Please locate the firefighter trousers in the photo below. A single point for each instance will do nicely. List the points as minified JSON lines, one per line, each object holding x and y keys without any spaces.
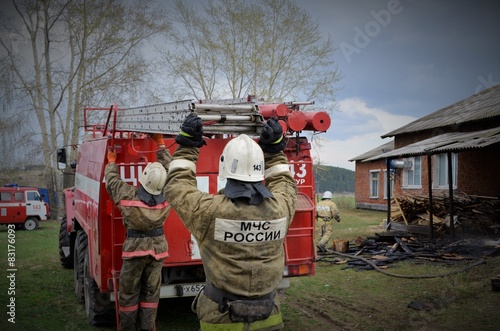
{"x":325,"y":231}
{"x":139,"y":293}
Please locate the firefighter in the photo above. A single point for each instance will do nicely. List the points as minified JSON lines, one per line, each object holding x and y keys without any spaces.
{"x":144,"y":211}
{"x":326,"y":212}
{"x":240,"y":231}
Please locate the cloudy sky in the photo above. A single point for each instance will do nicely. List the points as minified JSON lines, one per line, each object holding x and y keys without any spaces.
{"x":402,"y":60}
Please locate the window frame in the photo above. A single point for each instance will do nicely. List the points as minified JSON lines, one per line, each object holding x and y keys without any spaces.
{"x":416,"y":166}
{"x":372,"y":177}
{"x":440,"y":160}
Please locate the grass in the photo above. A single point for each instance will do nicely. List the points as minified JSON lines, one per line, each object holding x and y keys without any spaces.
{"x":43,"y":289}
{"x":333,"y":299}
{"x":336,"y":299}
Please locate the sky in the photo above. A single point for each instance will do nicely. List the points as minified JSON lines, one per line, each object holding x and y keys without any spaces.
{"x":401,"y":60}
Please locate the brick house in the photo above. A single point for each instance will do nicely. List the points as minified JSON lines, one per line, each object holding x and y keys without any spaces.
{"x":370,"y":186}
{"x":467,"y":133}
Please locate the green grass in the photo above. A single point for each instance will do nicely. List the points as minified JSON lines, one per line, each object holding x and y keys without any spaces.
{"x":43,"y":289}
{"x":333,"y":299}
{"x":344,"y":202}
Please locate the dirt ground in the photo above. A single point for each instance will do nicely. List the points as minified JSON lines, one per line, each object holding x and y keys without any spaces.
{"x":338,"y":299}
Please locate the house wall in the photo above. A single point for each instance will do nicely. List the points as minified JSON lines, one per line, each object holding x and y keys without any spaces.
{"x":478,"y":174}
{"x":478,"y":171}
{"x":362,"y":185}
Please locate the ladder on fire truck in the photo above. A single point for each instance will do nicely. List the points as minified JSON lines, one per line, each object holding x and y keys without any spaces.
{"x":219,"y":116}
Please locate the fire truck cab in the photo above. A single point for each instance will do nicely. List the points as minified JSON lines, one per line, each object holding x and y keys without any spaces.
{"x":23,"y":207}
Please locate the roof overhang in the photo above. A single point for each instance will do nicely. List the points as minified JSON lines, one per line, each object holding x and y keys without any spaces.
{"x":447,"y":142}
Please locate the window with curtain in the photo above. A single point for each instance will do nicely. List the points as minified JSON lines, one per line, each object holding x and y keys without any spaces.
{"x":412,"y":178}
{"x":441,"y":170}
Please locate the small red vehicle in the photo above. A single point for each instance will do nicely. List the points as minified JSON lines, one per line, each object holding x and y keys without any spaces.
{"x":23,"y":207}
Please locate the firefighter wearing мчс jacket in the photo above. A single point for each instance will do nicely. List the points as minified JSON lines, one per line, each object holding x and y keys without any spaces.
{"x":240,"y":231}
{"x":144,"y":211}
{"x":326,"y":212}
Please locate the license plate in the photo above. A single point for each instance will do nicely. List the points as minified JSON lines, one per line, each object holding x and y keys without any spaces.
{"x":192,"y":289}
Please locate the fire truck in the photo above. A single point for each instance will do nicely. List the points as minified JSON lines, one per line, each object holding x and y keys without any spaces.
{"x":92,"y":232}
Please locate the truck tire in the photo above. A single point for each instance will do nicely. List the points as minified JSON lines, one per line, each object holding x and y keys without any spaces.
{"x":99,"y":308}
{"x":65,"y":253}
{"x":79,"y":252}
{"x":30,"y":224}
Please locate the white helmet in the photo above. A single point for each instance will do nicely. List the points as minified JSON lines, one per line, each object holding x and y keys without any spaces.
{"x":153,"y":178}
{"x":327,"y":195}
{"x":242,"y":159}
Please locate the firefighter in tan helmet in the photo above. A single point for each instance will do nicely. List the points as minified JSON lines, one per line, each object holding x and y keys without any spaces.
{"x":144,"y":210}
{"x":326,"y":212}
{"x":240,"y":230}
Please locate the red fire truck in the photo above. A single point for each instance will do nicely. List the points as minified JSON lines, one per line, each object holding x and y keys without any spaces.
{"x":92,"y":233}
{"x":22,"y":206}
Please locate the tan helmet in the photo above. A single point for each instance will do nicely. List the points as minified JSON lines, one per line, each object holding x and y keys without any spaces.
{"x":242,"y":159}
{"x":153,"y":178}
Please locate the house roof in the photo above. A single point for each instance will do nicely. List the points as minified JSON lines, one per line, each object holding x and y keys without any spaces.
{"x":447,"y":142}
{"x":485,"y":104}
{"x":387,"y":147}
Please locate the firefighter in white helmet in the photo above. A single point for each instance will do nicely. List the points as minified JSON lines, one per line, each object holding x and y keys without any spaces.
{"x":144,"y":210}
{"x":240,"y":230}
{"x":326,"y":212}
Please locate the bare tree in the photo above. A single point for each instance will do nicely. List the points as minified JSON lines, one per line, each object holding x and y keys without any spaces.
{"x":80,"y":52}
{"x":230,"y":48}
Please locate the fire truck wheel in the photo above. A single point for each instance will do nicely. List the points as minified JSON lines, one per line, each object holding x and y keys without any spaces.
{"x":79,"y":258}
{"x":65,"y":253}
{"x":30,"y":224}
{"x":98,"y":306}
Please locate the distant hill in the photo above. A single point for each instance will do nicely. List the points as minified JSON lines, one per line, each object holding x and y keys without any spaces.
{"x":333,"y":179}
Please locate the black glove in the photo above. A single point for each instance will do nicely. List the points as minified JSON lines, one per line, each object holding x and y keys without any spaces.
{"x":191,"y":133}
{"x":271,"y":137}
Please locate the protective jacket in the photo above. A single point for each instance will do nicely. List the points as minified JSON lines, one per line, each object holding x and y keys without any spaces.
{"x":137,"y":215}
{"x":327,"y":210}
{"x":241,"y":245}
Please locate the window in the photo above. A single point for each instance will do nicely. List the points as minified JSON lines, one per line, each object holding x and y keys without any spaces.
{"x":441,"y":170}
{"x":5,"y":196}
{"x":19,"y":196}
{"x":33,"y":196}
{"x":385,"y":184}
{"x":412,"y":178}
{"x":374,"y":179}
